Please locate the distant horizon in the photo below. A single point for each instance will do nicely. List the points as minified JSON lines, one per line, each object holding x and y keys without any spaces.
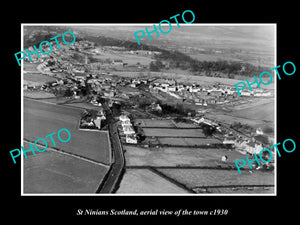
{"x":253,"y":43}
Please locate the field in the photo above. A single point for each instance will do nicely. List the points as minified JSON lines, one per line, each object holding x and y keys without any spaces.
{"x":154,"y":123}
{"x":53,"y":172}
{"x":181,"y":156}
{"x":166,"y":132}
{"x":163,"y":123}
{"x":85,"y":161}
{"x":188,"y":141}
{"x":131,"y":59}
{"x":263,"y":111}
{"x":216,"y":180}
{"x":186,"y":125}
{"x":37,"y":77}
{"x":144,"y":181}
{"x":41,"y":119}
{"x":38,"y":94}
{"x":30,"y":67}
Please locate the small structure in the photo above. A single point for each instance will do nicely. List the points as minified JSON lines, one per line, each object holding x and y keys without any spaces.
{"x":131,"y":139}
{"x":259,"y":131}
{"x":224,"y":158}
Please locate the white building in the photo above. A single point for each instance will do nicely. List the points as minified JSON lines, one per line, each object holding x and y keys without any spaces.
{"x":124,"y":118}
{"x":128,"y":130}
{"x":259,"y":131}
{"x":131,"y":139}
{"x":97,"y":122}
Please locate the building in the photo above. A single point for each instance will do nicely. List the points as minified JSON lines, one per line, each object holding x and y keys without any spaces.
{"x":259,"y":131}
{"x":97,"y":122}
{"x":131,"y":139}
{"x":127,"y":130}
{"x":124,"y":118}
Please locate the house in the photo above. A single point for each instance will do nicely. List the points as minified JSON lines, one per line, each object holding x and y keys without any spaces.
{"x":125,"y":123}
{"x":229,"y":141}
{"x":117,"y":62}
{"x":97,"y":122}
{"x":155,"y":107}
{"x":131,"y":139}
{"x":128,"y":130}
{"x":245,"y":93}
{"x":172,"y":88}
{"x":249,"y":146}
{"x":259,"y":131}
{"x":124,"y":118}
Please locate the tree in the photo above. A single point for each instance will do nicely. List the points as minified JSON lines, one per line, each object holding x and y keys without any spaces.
{"x":156,"y":65}
{"x":208,"y":130}
{"x":68,"y":93}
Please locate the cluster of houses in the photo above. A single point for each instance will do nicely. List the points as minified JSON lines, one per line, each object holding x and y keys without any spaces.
{"x":127,"y":130}
{"x":90,"y":120}
{"x":243,"y":144}
{"x":202,"y":95}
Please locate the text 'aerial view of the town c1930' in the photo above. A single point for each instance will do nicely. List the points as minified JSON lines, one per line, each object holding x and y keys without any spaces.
{"x":160,"y":118}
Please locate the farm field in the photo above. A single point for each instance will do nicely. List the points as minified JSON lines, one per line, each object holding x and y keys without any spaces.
{"x":144,"y":181}
{"x":30,"y":66}
{"x":131,"y":59}
{"x":186,"y":125}
{"x":229,"y":119}
{"x":37,"y":77}
{"x":188,"y":141}
{"x":236,"y":190}
{"x":154,"y":123}
{"x":216,"y":180}
{"x":38,"y":94}
{"x":41,"y":119}
{"x":165,"y":132}
{"x":260,"y":112}
{"x":180,"y":156}
{"x":53,"y":172}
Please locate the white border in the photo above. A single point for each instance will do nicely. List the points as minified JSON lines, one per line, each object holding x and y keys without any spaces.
{"x":148,"y":24}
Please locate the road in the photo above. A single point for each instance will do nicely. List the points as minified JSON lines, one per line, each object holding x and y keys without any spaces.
{"x":113,"y":178}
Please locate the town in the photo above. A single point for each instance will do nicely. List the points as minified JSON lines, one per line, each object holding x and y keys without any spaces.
{"x":151,"y":111}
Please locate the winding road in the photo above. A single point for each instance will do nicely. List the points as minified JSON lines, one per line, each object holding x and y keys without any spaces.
{"x":114,"y":175}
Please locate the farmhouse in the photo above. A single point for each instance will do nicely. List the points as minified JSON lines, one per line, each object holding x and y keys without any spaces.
{"x":131,"y":139}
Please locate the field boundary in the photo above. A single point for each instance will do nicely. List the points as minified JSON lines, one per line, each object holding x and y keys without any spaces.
{"x":171,"y":180}
{"x":229,"y":167}
{"x":69,"y":154}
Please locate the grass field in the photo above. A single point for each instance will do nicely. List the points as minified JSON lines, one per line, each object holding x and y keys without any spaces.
{"x":201,"y":178}
{"x":41,"y":119}
{"x":186,"y":125}
{"x":53,"y":172}
{"x":38,"y":94}
{"x":30,"y":66}
{"x":159,"y":132}
{"x":144,"y":181}
{"x":131,"y":59}
{"x":188,"y":141}
{"x":38,"y":77}
{"x":264,"y":111}
{"x":154,"y":123}
{"x":237,"y":190}
{"x":180,"y":156}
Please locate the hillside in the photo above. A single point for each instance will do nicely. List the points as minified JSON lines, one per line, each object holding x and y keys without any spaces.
{"x":214,"y":51}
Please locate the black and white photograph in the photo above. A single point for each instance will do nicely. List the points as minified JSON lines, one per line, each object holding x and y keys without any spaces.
{"x":165,"y":113}
{"x":144,"y":109}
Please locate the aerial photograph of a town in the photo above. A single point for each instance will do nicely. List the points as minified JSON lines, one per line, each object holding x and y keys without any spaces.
{"x":162,"y":118}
